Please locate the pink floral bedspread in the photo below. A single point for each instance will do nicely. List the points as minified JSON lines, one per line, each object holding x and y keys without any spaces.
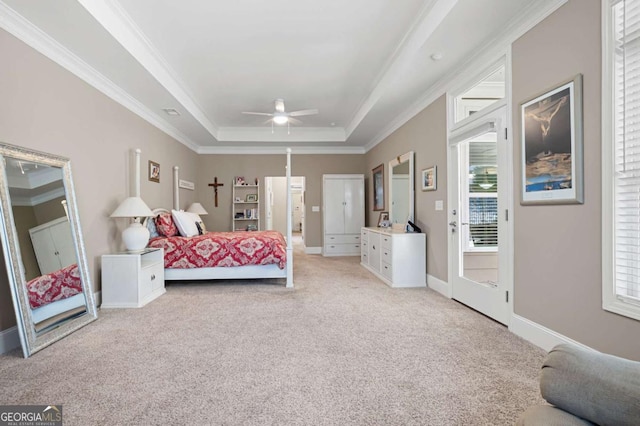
{"x":57,"y":285}
{"x":215,"y":249}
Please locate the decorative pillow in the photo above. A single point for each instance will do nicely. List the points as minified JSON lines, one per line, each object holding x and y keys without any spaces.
{"x":186,"y":223}
{"x":165,"y":225}
{"x":152,"y":228}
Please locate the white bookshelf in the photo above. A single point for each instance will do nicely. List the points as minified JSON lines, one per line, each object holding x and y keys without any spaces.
{"x":245,"y":212}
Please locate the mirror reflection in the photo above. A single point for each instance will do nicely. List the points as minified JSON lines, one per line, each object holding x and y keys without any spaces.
{"x":43,"y":248}
{"x":38,"y":203}
{"x":401,"y":188}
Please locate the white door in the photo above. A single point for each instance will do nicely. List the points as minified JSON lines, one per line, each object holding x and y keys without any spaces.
{"x":334,"y":222}
{"x":479,"y":268}
{"x":66,"y":249}
{"x":353,"y":205}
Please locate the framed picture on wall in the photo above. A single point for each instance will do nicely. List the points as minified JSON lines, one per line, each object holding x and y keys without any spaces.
{"x":154,"y":171}
{"x":377,"y":177}
{"x":552,"y":145}
{"x":429,"y":177}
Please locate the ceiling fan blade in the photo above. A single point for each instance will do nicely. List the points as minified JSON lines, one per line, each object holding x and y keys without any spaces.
{"x":294,"y":120}
{"x":268,"y":121}
{"x":303,"y":112}
{"x":257,"y":113}
{"x":279,"y":103}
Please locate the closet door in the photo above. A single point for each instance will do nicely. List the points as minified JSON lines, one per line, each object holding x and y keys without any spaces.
{"x":63,"y":240}
{"x":334,"y":221}
{"x":353,"y":205}
{"x":45,"y":251}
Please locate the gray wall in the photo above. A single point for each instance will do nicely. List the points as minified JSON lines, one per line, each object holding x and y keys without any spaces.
{"x":49,"y":109}
{"x":558,"y":267}
{"x":426,"y":135}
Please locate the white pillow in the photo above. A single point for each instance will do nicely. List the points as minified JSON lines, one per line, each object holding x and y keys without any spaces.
{"x":186,"y":222}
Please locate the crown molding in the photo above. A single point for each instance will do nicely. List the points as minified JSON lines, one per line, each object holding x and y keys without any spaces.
{"x":263,"y":150}
{"x":18,"y":26}
{"x":492,"y":51}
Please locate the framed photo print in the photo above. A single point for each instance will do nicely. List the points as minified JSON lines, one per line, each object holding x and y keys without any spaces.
{"x":383,"y":220}
{"x":552,"y":145}
{"x":429,"y":179}
{"x":154,"y":171}
{"x":378,"y":187}
{"x":251,"y":198}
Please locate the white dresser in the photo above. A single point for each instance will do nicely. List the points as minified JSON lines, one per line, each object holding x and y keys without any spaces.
{"x":396,"y":257}
{"x":343,"y":213}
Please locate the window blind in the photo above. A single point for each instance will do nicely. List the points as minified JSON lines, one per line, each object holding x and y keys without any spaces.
{"x":626,"y":106}
{"x":482,"y":214}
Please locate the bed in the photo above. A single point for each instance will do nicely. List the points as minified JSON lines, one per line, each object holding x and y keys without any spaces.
{"x":224,"y":255}
{"x":55,"y":295}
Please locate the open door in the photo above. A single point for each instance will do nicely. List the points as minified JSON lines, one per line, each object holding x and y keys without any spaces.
{"x":479,"y":272}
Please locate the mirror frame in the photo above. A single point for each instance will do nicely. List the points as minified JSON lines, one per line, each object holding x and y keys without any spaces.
{"x":395,"y":162}
{"x":30,"y":340}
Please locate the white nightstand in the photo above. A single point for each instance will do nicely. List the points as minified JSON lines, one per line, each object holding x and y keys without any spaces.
{"x":131,"y":280}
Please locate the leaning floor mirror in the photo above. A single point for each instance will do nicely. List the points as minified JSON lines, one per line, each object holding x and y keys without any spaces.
{"x":43,"y":247}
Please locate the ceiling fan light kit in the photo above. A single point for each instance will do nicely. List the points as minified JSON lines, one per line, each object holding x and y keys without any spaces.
{"x":280,"y":119}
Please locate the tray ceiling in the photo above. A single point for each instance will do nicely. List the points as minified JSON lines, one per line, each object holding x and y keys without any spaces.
{"x":364,"y":64}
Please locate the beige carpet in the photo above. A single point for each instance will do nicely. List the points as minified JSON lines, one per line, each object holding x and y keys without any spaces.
{"x":340,"y":349}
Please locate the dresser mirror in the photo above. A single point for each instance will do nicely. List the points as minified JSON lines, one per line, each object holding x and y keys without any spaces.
{"x":401,"y":188}
{"x":43,"y":247}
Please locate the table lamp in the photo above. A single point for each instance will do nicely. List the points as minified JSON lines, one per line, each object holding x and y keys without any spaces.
{"x":136,"y":236}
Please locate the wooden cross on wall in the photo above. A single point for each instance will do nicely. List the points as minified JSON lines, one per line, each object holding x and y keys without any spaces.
{"x":215,"y":185}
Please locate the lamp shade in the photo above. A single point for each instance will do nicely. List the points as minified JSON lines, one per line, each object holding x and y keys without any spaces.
{"x":197,"y":209}
{"x":132,"y":207}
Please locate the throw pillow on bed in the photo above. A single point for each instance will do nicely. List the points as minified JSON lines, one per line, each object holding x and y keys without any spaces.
{"x":186,"y":223}
{"x":165,"y":225}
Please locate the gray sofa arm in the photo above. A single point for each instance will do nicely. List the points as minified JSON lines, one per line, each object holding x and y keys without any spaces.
{"x":603,"y":389}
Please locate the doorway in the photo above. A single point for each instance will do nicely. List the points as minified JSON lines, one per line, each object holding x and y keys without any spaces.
{"x":276,"y":205}
{"x":479,"y":269}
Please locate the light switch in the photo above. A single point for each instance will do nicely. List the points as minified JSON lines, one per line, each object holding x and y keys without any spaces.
{"x":315,"y":208}
{"x":439,"y":205}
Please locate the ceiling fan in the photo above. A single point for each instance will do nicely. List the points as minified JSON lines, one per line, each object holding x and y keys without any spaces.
{"x":281,"y":116}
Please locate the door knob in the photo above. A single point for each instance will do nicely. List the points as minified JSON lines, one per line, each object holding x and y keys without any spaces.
{"x":454,"y":224}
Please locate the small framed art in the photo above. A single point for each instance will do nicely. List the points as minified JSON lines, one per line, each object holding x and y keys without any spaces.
{"x":251,"y":198}
{"x":429,"y":179}
{"x":154,"y":171}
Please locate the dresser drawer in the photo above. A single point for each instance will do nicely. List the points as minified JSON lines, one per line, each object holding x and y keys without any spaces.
{"x":386,"y":255}
{"x":385,"y":241}
{"x":386,"y":271}
{"x":364,"y":235}
{"x":342,"y":239}
{"x":364,"y":258}
{"x":342,"y":249}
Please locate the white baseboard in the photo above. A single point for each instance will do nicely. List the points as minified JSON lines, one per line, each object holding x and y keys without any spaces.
{"x":313,"y":250}
{"x":9,"y":339}
{"x":539,"y":335}
{"x":438,"y":285}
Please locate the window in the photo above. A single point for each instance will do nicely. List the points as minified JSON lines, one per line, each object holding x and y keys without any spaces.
{"x":481,"y":187}
{"x":487,"y":91}
{"x":621,"y":157}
